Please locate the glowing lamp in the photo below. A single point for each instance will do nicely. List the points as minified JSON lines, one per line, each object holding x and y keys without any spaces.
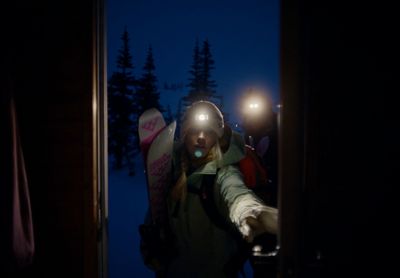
{"x":254,"y":105}
{"x":202,"y":117}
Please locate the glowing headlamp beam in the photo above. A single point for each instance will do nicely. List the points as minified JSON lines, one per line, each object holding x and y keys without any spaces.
{"x":254,"y":105}
{"x":202,"y":117}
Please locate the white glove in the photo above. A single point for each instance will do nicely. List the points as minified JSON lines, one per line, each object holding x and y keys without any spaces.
{"x":266,"y":222}
{"x":253,"y":217}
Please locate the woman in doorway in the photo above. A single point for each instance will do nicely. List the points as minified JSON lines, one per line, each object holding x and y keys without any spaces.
{"x":205,"y":216}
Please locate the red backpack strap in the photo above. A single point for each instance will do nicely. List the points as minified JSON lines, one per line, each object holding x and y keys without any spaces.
{"x":253,"y":172}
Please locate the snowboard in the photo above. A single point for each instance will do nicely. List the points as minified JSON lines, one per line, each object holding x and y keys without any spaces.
{"x":156,"y":141}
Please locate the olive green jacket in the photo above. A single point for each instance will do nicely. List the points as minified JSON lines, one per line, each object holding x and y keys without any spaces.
{"x":204,"y":249}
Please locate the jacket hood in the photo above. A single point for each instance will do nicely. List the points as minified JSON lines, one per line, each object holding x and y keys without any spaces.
{"x":235,"y":151}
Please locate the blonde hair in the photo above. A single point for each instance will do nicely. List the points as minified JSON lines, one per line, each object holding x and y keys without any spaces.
{"x":179,"y":190}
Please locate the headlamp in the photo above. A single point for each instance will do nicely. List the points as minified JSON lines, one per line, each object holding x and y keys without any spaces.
{"x":202,"y":117}
{"x":254,"y":105}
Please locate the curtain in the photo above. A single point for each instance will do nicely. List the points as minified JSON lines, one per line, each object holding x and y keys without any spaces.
{"x":17,"y":238}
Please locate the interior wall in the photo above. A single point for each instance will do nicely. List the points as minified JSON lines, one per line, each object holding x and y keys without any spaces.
{"x":338,"y":139}
{"x":50,"y":57}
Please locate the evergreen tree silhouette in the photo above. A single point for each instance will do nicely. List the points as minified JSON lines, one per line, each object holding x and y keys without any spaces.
{"x":146,"y":95}
{"x":195,"y":81}
{"x":207,"y":84}
{"x":201,"y":85}
{"x":120,"y":107}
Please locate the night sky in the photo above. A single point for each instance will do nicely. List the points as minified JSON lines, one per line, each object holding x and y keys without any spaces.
{"x":244,"y":38}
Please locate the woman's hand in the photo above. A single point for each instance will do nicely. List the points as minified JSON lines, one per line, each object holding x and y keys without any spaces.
{"x":266,"y":222}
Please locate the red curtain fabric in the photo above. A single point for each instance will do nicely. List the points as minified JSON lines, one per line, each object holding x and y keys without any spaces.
{"x":22,"y":227}
{"x":17,"y":242}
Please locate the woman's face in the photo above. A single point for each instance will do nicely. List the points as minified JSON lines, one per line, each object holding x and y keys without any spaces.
{"x":199,"y":142}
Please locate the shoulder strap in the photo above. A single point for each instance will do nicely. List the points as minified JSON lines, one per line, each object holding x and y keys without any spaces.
{"x":206,"y":195}
{"x":207,"y":199}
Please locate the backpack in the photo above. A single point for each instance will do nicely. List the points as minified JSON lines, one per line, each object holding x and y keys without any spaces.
{"x":255,"y":177}
{"x":254,"y":174}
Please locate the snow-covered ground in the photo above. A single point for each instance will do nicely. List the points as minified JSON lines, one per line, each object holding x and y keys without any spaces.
{"x":127,"y":207}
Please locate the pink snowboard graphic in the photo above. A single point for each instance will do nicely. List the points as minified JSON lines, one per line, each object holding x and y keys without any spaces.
{"x":156,"y":142}
{"x":151,"y":122}
{"x":159,"y":158}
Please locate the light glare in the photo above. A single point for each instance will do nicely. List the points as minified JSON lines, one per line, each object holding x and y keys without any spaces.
{"x":254,"y":105}
{"x":202,"y":117}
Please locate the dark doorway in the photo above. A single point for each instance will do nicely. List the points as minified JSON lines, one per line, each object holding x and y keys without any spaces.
{"x":244,"y":43}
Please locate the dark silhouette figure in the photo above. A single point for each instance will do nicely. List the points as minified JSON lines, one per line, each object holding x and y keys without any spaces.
{"x":260,"y":126}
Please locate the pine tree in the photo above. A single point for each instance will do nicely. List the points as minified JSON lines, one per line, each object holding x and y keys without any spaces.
{"x":201,"y":85}
{"x":146,"y":95}
{"x":195,"y":81}
{"x":207,"y":84}
{"x":120,"y":94}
